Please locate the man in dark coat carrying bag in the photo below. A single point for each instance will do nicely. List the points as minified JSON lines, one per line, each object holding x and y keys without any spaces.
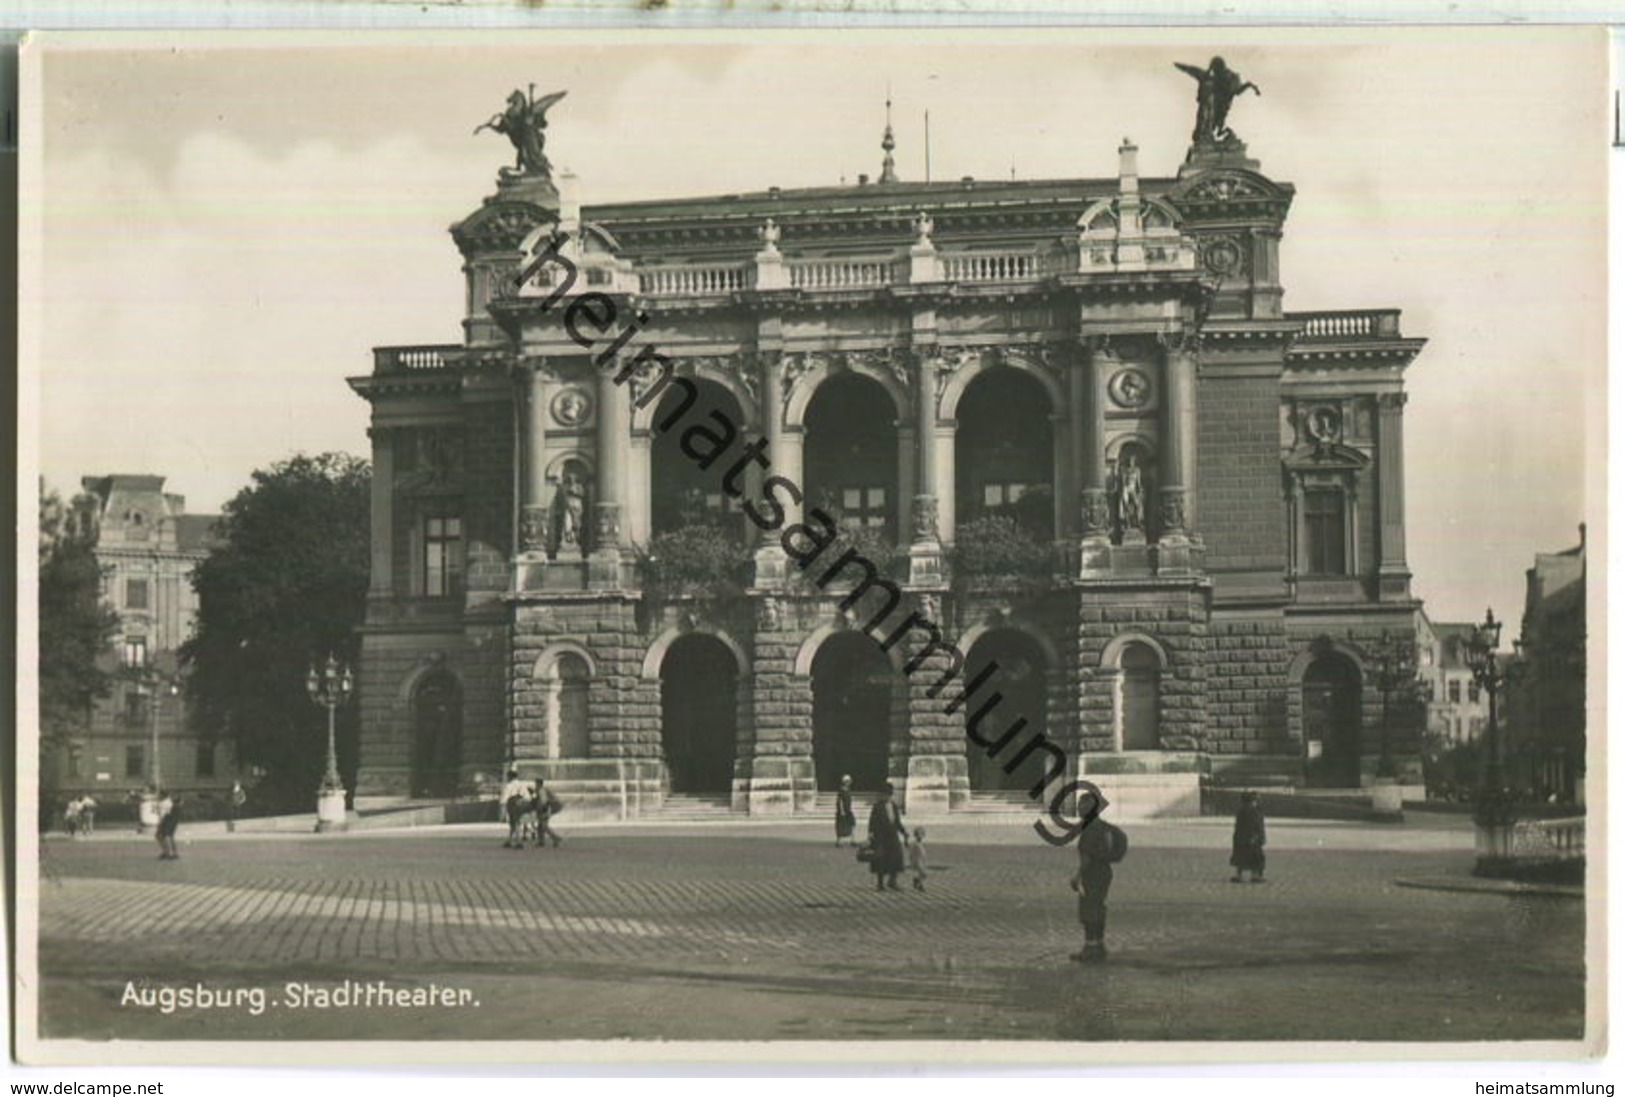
{"x":1100,"y":845}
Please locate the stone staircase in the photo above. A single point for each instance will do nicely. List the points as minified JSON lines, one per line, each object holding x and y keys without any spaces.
{"x":1000,"y":802}
{"x":688,"y":807}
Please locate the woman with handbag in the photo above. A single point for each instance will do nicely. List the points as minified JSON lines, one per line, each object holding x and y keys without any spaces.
{"x":887,"y":836}
{"x":845,"y":821}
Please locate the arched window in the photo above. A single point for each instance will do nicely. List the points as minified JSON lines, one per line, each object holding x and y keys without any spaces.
{"x":1139,"y":682}
{"x":571,"y":739}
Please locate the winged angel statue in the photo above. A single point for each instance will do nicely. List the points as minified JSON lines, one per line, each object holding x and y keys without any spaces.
{"x":1217,"y":86}
{"x":524,"y":122}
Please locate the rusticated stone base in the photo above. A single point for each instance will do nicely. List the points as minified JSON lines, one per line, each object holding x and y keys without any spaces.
{"x":936,"y":784}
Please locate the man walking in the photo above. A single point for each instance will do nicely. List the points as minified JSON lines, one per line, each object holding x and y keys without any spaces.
{"x":515,"y":802}
{"x":1099,"y":846}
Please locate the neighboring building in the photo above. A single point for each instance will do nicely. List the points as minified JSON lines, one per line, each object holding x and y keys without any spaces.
{"x":1458,"y":709}
{"x":147,"y":546}
{"x":1544,"y":708}
{"x":1217,"y":485}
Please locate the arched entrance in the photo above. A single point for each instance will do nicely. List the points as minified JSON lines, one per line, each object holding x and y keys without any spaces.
{"x":1021,"y":680}
{"x":1004,"y":457}
{"x":437,"y":735}
{"x":853,"y":684}
{"x":699,"y":714}
{"x":1332,"y":718}
{"x":851,"y":454}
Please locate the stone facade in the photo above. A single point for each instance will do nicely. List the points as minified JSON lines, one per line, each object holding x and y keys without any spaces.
{"x":1198,"y":499}
{"x":147,"y":546}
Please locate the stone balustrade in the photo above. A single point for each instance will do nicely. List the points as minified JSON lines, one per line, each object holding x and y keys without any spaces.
{"x":709,"y":281}
{"x":1550,"y":839}
{"x":412,"y":359}
{"x":1348,"y":324}
{"x":1005,"y":266}
{"x":840,"y":273}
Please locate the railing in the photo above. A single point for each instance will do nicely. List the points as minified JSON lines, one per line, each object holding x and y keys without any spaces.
{"x":1349,"y":324}
{"x":991,"y":267}
{"x":839,"y":273}
{"x":1550,"y":839}
{"x":405,"y":359}
{"x":693,"y":281}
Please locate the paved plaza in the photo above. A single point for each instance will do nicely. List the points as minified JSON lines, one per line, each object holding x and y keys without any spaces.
{"x":765,"y":931}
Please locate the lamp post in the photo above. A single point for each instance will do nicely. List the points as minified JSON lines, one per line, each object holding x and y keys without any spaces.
{"x":330,"y":688}
{"x":154,"y":686}
{"x":1494,"y":816}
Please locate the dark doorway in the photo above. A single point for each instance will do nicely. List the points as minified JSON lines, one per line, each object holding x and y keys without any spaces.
{"x":853,"y":684}
{"x":851,"y":454}
{"x":699,"y":715}
{"x":1331,"y":717}
{"x":437,"y":744}
{"x":1020,"y":678}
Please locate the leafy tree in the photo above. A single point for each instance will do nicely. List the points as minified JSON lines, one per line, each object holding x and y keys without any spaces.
{"x":997,"y":547}
{"x":286,"y":585}
{"x":75,"y":626}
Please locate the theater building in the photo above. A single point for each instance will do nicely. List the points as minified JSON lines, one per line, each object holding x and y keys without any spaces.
{"x":1067,"y":422}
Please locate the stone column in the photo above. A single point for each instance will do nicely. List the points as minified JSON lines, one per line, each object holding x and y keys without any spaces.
{"x":925,"y":534}
{"x":770,"y":558}
{"x":614,"y":438}
{"x":1086,"y":413}
{"x":946,"y":439}
{"x":533,"y":494}
{"x":1178,"y":434}
{"x":925,"y":528}
{"x":1393,"y":573}
{"x":382,"y":583}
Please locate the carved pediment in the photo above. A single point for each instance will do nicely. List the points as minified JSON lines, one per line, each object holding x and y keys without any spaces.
{"x":500,"y":226}
{"x":1326,"y":455}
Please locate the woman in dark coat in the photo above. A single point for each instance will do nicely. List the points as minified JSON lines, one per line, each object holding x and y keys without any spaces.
{"x":888,"y":835}
{"x":845,"y":821}
{"x":1247,"y":844}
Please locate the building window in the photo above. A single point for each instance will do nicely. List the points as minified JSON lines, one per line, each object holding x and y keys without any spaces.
{"x":205,"y":759}
{"x":135,"y":594}
{"x":1472,"y":692}
{"x":135,"y":651}
{"x":864,"y":506}
{"x":135,"y":761}
{"x":75,"y":760}
{"x":1455,"y":692}
{"x":442,"y":555}
{"x":1324,"y":536}
{"x":135,"y":709}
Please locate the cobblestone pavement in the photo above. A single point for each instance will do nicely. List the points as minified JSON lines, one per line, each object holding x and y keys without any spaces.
{"x":769,"y":933}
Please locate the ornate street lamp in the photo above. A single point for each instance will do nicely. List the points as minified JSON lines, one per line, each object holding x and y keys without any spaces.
{"x":330,"y":688}
{"x":1494,"y":814}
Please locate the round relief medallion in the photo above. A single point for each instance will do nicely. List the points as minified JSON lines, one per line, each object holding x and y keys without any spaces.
{"x":1325,"y":423}
{"x":1222,"y":257}
{"x":571,"y":406}
{"x":1130,"y":388}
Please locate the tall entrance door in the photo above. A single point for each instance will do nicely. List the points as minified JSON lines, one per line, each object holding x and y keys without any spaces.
{"x":1020,"y":679}
{"x":1332,"y":717}
{"x":437,"y":735}
{"x":699,"y":715}
{"x":853,"y":684}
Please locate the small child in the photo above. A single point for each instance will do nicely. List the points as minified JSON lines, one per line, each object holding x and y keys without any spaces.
{"x":916,"y":858}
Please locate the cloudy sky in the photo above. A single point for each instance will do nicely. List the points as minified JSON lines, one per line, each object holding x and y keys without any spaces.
{"x":226,"y":230}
